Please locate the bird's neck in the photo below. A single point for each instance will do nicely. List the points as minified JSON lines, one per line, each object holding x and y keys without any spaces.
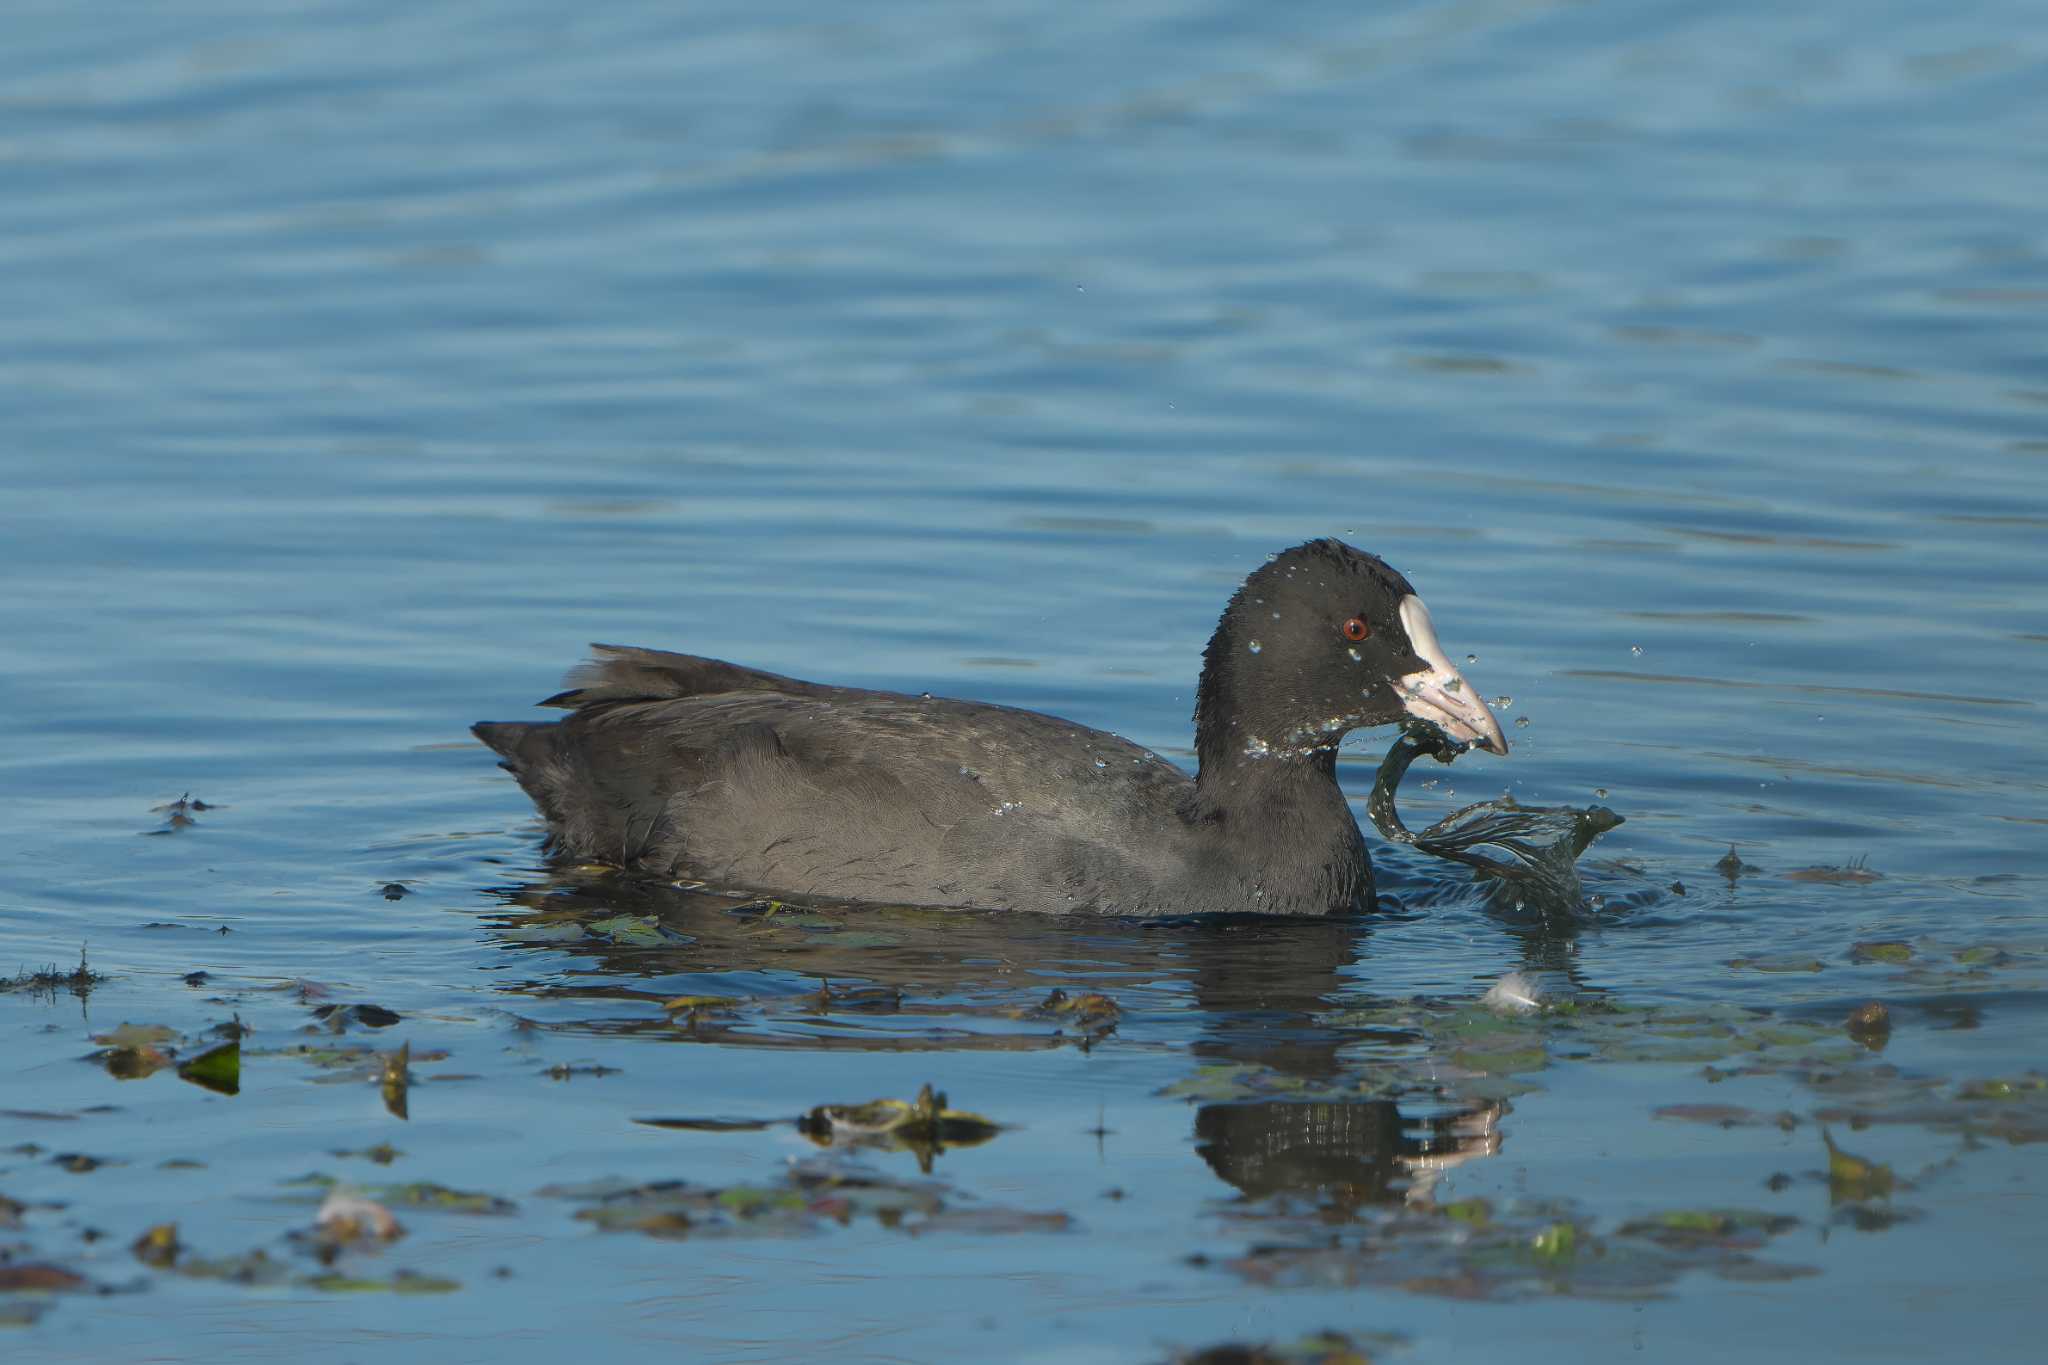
{"x":1255,"y":775}
{"x":1279,"y":810}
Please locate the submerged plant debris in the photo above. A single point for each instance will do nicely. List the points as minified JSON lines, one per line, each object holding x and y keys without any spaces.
{"x":1527,"y":1249}
{"x":179,"y":814}
{"x":136,"y":1051}
{"x":1543,"y":843}
{"x":47,"y":981}
{"x":809,"y":1198}
{"x":1342,"y":1124}
{"x":328,"y":1245}
{"x":925,"y":1127}
{"x":424,"y":1195}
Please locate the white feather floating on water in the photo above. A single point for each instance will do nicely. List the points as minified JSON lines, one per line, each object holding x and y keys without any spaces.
{"x":1513,"y":994}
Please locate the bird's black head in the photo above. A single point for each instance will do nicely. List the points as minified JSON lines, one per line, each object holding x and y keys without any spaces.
{"x":1321,"y":640}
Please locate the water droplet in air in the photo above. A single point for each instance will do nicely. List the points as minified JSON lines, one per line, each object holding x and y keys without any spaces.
{"x":1600,"y":792}
{"x":1471,"y":658}
{"x":1502,"y":702}
{"x":1255,"y":646}
{"x":1101,"y":763}
{"x":1635,"y":649}
{"x":1521,"y":721}
{"x":924,"y":696}
{"x":1276,"y":616}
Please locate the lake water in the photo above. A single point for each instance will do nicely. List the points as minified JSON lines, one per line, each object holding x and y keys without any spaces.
{"x":361,"y":363}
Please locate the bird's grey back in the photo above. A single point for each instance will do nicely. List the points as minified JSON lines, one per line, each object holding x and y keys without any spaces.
{"x":737,"y":777}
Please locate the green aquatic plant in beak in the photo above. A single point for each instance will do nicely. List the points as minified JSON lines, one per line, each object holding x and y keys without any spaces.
{"x":1543,"y":843}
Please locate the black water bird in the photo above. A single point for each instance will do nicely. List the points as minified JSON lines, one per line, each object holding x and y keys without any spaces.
{"x":684,"y":766}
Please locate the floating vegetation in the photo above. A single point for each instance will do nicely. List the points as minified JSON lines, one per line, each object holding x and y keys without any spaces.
{"x":634,"y":931}
{"x":1733,"y":868}
{"x":925,"y":1127}
{"x":338,"y":1018}
{"x":1088,"y":1013}
{"x":346,"y":1218}
{"x":1321,"y":1348}
{"x":179,"y":814}
{"x":1542,"y":843}
{"x":394,"y":1080}
{"x":1855,"y":873}
{"x":1871,"y":1025}
{"x":1851,"y":1177}
{"x":2013,"y":1110}
{"x":399,"y":1282}
{"x":1776,"y":964}
{"x":423,"y":1195}
{"x":161,"y":1249}
{"x":809,"y":1198}
{"x":1532,"y":1249}
{"x":137,"y":1051}
{"x":79,"y":980}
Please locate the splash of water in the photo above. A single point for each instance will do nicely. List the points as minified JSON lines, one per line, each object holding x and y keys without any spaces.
{"x":1543,"y":843}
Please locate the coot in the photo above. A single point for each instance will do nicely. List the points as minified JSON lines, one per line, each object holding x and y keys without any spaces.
{"x":684,"y":766}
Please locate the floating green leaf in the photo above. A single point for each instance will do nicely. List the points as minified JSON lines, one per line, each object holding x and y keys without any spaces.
{"x":218,"y":1069}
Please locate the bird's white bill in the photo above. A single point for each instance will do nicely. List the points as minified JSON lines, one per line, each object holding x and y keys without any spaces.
{"x":1439,"y":693}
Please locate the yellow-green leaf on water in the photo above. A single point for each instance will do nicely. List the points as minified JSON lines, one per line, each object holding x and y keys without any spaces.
{"x":159,"y":1246}
{"x":137,"y":1036}
{"x":425,"y":1194}
{"x":1694,"y":1220}
{"x":218,"y":1069}
{"x":751,"y":1201}
{"x":404,"y":1282}
{"x":1881,"y":950}
{"x":250,"y":1268}
{"x":1854,"y":1177}
{"x":924,"y":1126}
{"x":631,"y":931}
{"x":397,"y":1080}
{"x":1556,"y":1242}
{"x":1477,"y":1212}
{"x":694,"y":1003}
{"x":1776,"y":964}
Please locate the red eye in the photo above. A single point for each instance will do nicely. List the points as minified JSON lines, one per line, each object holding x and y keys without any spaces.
{"x":1356,"y":628}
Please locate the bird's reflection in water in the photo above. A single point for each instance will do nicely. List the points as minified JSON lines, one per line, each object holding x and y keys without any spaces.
{"x":1262,"y":993}
{"x":1340,"y":1154}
